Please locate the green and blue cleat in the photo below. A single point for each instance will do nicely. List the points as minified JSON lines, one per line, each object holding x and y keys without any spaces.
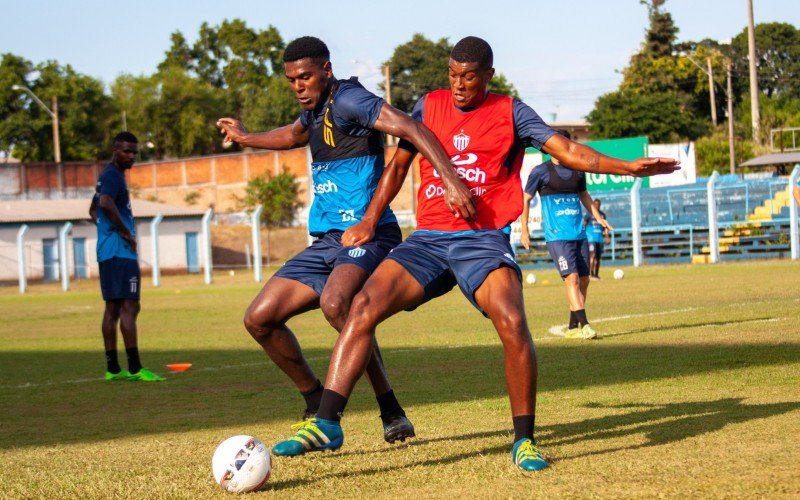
{"x":527,"y":456}
{"x":120,"y":375}
{"x":314,"y":434}
{"x":145,"y":375}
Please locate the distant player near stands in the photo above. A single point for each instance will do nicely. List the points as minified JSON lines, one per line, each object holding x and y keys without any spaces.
{"x":598,"y":235}
{"x":485,"y":135}
{"x":342,"y":123}
{"x":120,"y":278}
{"x":562,"y":191}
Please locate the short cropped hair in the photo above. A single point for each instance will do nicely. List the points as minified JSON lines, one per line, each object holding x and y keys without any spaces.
{"x":563,"y":132}
{"x":473,"y":50}
{"x":126,"y":137}
{"x":306,"y":46}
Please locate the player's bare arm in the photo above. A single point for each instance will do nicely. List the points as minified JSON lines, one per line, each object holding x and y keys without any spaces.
{"x":525,"y":235}
{"x":389,"y":185}
{"x":581,"y":157}
{"x":286,"y":137}
{"x":93,"y":209}
{"x":394,"y":122}
{"x":586,"y":200}
{"x":106,"y":203}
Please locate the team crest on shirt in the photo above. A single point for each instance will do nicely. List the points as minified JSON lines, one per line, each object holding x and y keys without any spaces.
{"x":461,"y":140}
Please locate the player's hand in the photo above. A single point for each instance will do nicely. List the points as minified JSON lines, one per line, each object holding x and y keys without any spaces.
{"x":358,"y":234}
{"x":525,"y":240}
{"x":459,"y":200}
{"x":606,"y":224}
{"x":645,"y":167}
{"x":232,"y":129}
{"x":130,"y":239}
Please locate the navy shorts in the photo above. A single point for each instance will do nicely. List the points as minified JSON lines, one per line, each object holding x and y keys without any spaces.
{"x":313,"y":265}
{"x":570,"y":256}
{"x":440,"y":261}
{"x":120,"y":279}
{"x":597,"y":248}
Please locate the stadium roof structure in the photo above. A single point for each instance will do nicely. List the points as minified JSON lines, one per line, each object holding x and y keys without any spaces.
{"x":773,"y":159}
{"x":78,"y":209}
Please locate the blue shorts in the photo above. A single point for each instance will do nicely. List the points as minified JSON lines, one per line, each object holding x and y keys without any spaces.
{"x":597,"y":247}
{"x":120,"y":279}
{"x":570,"y":256}
{"x":313,"y":265}
{"x":440,"y":261}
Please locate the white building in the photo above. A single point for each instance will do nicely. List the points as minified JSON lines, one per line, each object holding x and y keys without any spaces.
{"x":180,"y":233}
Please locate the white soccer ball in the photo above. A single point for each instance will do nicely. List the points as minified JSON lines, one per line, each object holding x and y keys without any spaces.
{"x":241,"y":464}
{"x":619,"y":274}
{"x":530,"y":279}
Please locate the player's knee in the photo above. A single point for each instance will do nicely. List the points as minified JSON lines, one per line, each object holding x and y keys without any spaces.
{"x":512,"y":326}
{"x":258,"y":324}
{"x":335,"y":308}
{"x":362,"y":310}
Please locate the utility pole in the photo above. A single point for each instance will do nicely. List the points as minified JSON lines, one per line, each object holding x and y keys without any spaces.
{"x":387,"y":86}
{"x":711,"y":91}
{"x":731,"y":150}
{"x":751,"y":55}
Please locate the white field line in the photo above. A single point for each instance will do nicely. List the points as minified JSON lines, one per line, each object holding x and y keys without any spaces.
{"x":559,"y":330}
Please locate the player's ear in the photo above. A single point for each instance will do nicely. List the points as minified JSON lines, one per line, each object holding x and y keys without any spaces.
{"x":328,"y":69}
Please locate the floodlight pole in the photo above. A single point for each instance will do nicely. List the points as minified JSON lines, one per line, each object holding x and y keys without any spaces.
{"x":255,"y":220}
{"x":713,"y":229}
{"x":62,"y":255}
{"x":154,"y":237}
{"x":731,"y":149}
{"x":636,"y":222}
{"x":793,"y":209}
{"x":751,"y":56}
{"x":53,"y":113}
{"x":206,"y":223}
{"x":23,"y":277}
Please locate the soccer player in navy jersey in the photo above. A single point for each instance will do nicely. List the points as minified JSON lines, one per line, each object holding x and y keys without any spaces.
{"x":342,"y":123}
{"x":120,"y":277}
{"x":562,"y":191}
{"x":485,"y":135}
{"x":597,"y":233}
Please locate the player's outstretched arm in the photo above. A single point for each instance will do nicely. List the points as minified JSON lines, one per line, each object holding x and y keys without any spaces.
{"x":286,"y":137}
{"x":388,"y":186}
{"x":394,"y":122}
{"x":581,"y":157}
{"x":587,"y":201}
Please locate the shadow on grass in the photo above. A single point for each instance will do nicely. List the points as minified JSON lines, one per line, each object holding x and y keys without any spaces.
{"x":660,"y":424}
{"x":59,"y":398}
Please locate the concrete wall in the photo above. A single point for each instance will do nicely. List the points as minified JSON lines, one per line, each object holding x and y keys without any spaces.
{"x":201,"y":182}
{"x":172,"y":246}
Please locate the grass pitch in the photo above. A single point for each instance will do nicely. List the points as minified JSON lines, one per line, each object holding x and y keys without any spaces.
{"x":693,"y":391}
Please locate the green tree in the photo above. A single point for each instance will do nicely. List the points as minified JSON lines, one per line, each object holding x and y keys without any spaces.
{"x":660,"y":37}
{"x":83,"y":109}
{"x":278,"y":195}
{"x":778,"y":60}
{"x":420,"y":66}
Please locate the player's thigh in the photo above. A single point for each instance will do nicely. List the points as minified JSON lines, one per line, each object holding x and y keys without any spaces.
{"x":500,"y":294}
{"x":390,"y":289}
{"x":279,"y":300}
{"x":343,"y":284}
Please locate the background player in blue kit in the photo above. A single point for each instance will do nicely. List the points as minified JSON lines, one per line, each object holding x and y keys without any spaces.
{"x":342,"y":123}
{"x":562,"y":191}
{"x":596,"y":235}
{"x":120,"y":277}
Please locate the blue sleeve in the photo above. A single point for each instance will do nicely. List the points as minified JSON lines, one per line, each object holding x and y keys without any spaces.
{"x":304,"y":119}
{"x":536,"y":180}
{"x":356,"y":109}
{"x":529,"y":126}
{"x":110,"y":183}
{"x":416,"y":114}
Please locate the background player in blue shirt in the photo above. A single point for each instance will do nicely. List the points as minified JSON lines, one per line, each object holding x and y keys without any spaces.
{"x":562,"y":191}
{"x":342,"y":123}
{"x":596,"y":235}
{"x":120,"y":277}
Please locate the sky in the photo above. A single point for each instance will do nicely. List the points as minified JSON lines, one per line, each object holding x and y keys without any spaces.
{"x":560,"y":55}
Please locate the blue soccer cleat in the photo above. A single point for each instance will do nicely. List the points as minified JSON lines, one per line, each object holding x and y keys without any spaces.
{"x":314,"y":434}
{"x":527,"y":456}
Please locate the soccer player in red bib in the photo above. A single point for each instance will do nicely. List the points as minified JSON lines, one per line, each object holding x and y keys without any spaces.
{"x":485,"y":135}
